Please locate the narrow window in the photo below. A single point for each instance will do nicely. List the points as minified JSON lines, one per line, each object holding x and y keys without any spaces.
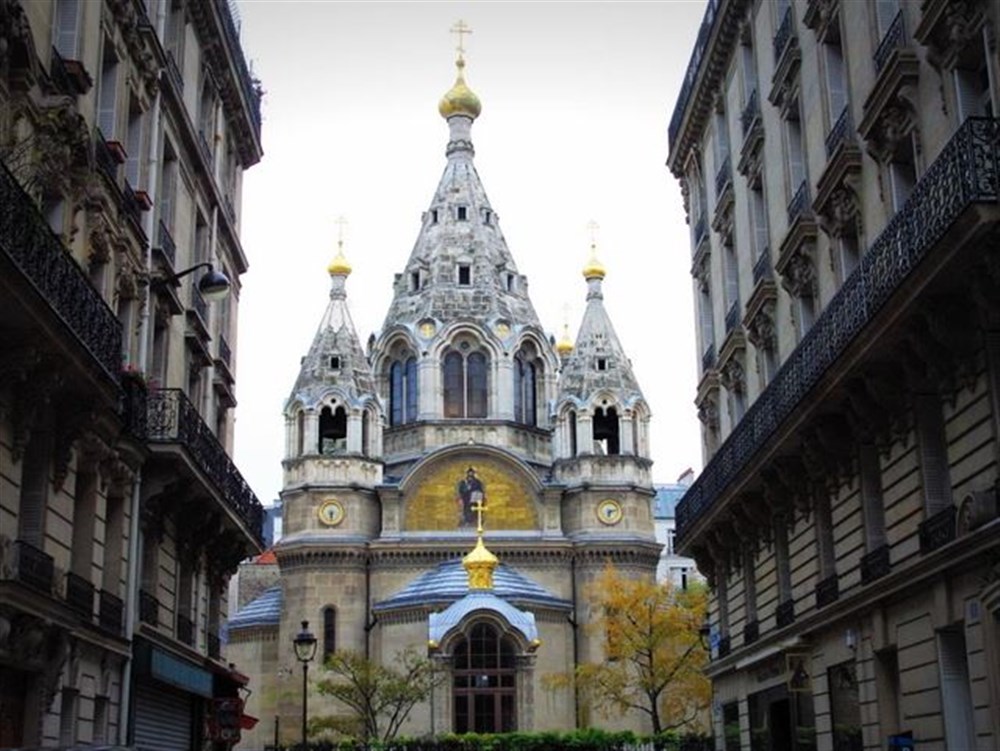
{"x":335,"y":362}
{"x":300,"y":433}
{"x":956,"y":692}
{"x":477,"y":385}
{"x":410,"y":386}
{"x":434,"y":216}
{"x":66,"y":29}
{"x":845,"y":707}
{"x":461,"y":213}
{"x":786,"y":613}
{"x":414,"y":281}
{"x":84,"y":521}
{"x":67,"y":717}
{"x":510,"y":282}
{"x":453,"y":376}
{"x":487,"y":215}
{"x":606,"y":430}
{"x":107,"y":110}
{"x":329,"y":632}
{"x":464,"y":275}
{"x":873,"y":510}
{"x":133,"y":144}
{"x":572,"y":433}
{"x":934,"y":468}
{"x":396,"y":396}
{"x":602,"y":363}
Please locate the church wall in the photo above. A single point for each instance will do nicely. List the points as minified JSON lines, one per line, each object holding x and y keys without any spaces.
{"x":261,"y":656}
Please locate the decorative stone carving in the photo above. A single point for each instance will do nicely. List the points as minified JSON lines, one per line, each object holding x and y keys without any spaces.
{"x":62,"y":144}
{"x":822,"y":16}
{"x":18,"y":59}
{"x":760,"y":327}
{"x":842,"y":217}
{"x":799,"y":275}
{"x":732,"y":375}
{"x":708,"y":413}
{"x":947,"y":27}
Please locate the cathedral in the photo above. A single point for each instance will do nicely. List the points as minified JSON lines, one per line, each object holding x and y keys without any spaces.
{"x":461,"y":415}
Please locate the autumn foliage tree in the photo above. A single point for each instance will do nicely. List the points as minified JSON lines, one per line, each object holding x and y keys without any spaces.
{"x":379,"y":697}
{"x":653,"y":653}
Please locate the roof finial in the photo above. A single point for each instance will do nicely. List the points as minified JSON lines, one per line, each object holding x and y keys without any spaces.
{"x":460,"y":29}
{"x":565,"y":344}
{"x":460,"y":99}
{"x":480,"y":562}
{"x":339,"y":265}
{"x":594,"y":268}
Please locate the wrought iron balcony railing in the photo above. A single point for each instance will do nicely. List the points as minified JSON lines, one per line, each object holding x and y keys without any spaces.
{"x":839,"y":133}
{"x":173,"y":419}
{"x":206,"y":150}
{"x":27,"y":242}
{"x":751,"y":632}
{"x":691,"y":74}
{"x":827,"y":591}
{"x":783,"y":35}
{"x":111,"y":611}
{"x":174,"y":73}
{"x":893,"y":38}
{"x":250,"y":91}
{"x":785,"y":614}
{"x":733,"y":316}
{"x":700,"y":229}
{"x":762,"y":267}
{"x":708,"y":358}
{"x":799,"y":204}
{"x":227,"y":199}
{"x":723,"y":177}
{"x":967,"y":172}
{"x":80,"y":594}
{"x":185,"y":630}
{"x":199,"y":304}
{"x":149,"y":608}
{"x":134,"y":409}
{"x":105,"y":160}
{"x":130,"y":204}
{"x":937,"y":531}
{"x":225,"y":354}
{"x":167,"y":245}
{"x":34,"y":567}
{"x":750,"y":112}
{"x":875,"y":565}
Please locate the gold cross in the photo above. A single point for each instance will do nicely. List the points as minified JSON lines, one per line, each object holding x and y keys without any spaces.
{"x":341,"y":223}
{"x":479,"y":507}
{"x":461,"y":29}
{"x":592,"y":228}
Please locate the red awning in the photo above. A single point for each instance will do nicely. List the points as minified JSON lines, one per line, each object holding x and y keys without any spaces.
{"x":247,"y":722}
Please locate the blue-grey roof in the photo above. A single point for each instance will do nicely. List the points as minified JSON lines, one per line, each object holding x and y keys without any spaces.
{"x":448,"y":582}
{"x":441,"y":623}
{"x":263,"y":611}
{"x":666,"y":499}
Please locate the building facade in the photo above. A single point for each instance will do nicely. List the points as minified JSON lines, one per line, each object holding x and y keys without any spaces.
{"x":124,"y":130}
{"x":839,"y":165}
{"x":676,"y":569}
{"x":461,"y":401}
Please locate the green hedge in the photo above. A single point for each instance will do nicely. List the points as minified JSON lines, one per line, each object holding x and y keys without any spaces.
{"x":579,"y":740}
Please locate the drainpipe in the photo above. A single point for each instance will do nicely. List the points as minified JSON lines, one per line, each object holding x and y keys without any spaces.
{"x":576,"y":644}
{"x":125,"y":710}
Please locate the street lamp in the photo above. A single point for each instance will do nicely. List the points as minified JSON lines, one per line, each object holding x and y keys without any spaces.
{"x":213,"y":285}
{"x":305,"y":650}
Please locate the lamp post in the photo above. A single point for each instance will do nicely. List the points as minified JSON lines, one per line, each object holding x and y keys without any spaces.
{"x":305,"y":650}
{"x":213,"y":285}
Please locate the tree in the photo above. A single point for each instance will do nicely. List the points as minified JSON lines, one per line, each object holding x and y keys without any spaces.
{"x":380,"y":697}
{"x":653,"y":652}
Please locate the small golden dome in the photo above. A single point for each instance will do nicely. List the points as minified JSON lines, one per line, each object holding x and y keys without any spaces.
{"x":565,"y":345}
{"x":460,"y":99}
{"x":480,"y":564}
{"x":594,"y":268}
{"x":339,"y":265}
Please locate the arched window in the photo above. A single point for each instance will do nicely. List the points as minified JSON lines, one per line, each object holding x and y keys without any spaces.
{"x":332,"y":430}
{"x":571,"y":422}
{"x":525,"y":394}
{"x":484,"y":688}
{"x":329,"y":631}
{"x":606,"y":431}
{"x":403,"y":392}
{"x":466,"y":389}
{"x":300,"y":433}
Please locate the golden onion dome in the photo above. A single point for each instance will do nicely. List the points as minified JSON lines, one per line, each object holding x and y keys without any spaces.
{"x":339,"y":265}
{"x":460,"y":99}
{"x":480,"y":564}
{"x":565,"y":345}
{"x":594,"y":268}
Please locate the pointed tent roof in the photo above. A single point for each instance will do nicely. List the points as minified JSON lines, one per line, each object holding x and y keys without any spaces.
{"x":460,"y":229}
{"x":336,"y":357}
{"x":582,"y":375}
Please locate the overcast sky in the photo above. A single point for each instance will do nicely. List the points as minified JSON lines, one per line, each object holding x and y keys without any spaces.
{"x":576,"y":100}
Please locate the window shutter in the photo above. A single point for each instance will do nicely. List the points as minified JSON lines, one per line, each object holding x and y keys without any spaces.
{"x":796,"y":162}
{"x":749,"y":73}
{"x":106,"y":119}
{"x":759,"y":219}
{"x":968,"y":98}
{"x":67,"y":29}
{"x":934,"y":469}
{"x":133,"y":145}
{"x":835,"y":83}
{"x":885,"y":12}
{"x":732,"y":278}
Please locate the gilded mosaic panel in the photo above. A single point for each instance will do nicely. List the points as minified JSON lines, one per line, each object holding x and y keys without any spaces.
{"x":445,"y":498}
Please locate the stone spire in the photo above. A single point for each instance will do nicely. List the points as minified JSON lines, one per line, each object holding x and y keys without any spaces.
{"x":598,"y":361}
{"x":460,"y":267}
{"x":336,"y":358}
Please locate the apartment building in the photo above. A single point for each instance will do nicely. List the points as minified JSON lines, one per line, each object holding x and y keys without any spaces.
{"x":125,"y":127}
{"x":840,"y":166}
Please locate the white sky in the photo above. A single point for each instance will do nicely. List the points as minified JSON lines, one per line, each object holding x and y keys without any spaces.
{"x":576,"y":101}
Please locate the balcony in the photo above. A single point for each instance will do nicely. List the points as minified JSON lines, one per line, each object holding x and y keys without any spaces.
{"x":751,"y":632}
{"x":69,"y":76}
{"x":185,"y":630}
{"x":750,"y":114}
{"x":133,"y":209}
{"x":149,"y":608}
{"x":762,"y":267}
{"x":799,"y":205}
{"x":199,"y":305}
{"x":225,"y":354}
{"x":206,"y":150}
{"x":110,"y":614}
{"x":723,"y":179}
{"x":783,"y":36}
{"x":708,"y":23}
{"x":133,"y":406}
{"x":785,"y":614}
{"x":166,"y":246}
{"x":839,"y":133}
{"x":174,"y":74}
{"x":893,"y":39}
{"x":965,"y":174}
{"x":106,"y":162}
{"x":751,"y":151}
{"x":700,"y":230}
{"x":80,"y":595}
{"x":708,"y":358}
{"x":937,"y":531}
{"x":174,"y":420}
{"x":733,"y":317}
{"x":875,"y":565}
{"x":34,"y":567}
{"x":827,"y":591}
{"x":27,"y":243}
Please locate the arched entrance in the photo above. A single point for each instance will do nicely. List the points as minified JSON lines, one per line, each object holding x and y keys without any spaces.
{"x":484,"y":682}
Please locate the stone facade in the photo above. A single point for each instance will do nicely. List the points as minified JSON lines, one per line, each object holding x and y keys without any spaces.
{"x":461,"y":398}
{"x":850,"y":391}
{"x":124,"y":130}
